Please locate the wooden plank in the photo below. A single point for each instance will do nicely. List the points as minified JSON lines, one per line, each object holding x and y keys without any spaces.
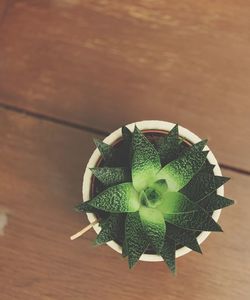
{"x":103,"y":64}
{"x":2,"y":8}
{"x":40,"y":169}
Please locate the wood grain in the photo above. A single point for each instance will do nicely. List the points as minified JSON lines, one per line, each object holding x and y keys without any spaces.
{"x":105,"y":63}
{"x":41,"y":166}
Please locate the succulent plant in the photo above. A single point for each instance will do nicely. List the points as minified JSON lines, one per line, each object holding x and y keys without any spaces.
{"x":154,"y":194}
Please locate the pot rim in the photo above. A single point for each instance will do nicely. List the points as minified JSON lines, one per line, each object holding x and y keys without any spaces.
{"x":148,"y":125}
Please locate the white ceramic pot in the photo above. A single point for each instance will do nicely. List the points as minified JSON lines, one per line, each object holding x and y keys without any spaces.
{"x":148,"y":125}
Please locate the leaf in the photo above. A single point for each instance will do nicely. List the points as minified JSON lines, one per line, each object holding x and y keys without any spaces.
{"x":127,"y":136}
{"x":214,"y":201}
{"x":180,"y":171}
{"x":106,"y":150}
{"x":200,"y":145}
{"x":119,"y":198}
{"x":136,"y":241}
{"x":168,"y":146}
{"x":184,"y":147}
{"x":127,"y":145}
{"x":195,"y":220}
{"x":87,"y":208}
{"x":183,"y":237}
{"x":207,"y":168}
{"x":112,"y":229}
{"x":154,"y":226}
{"x":145,"y":162}
{"x":202,"y":185}
{"x":124,"y":248}
{"x":111,"y":176}
{"x":176,"y":202}
{"x":168,"y":254}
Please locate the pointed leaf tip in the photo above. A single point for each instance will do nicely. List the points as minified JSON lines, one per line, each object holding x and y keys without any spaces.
{"x":135,"y":238}
{"x":213,"y":202}
{"x":106,"y":150}
{"x":168,"y":254}
{"x":175,"y":129}
{"x":194,"y":220}
{"x":112,"y":229}
{"x":180,"y":171}
{"x":183,"y":237}
{"x":84,"y":207}
{"x":200,"y":145}
{"x":111,"y":176}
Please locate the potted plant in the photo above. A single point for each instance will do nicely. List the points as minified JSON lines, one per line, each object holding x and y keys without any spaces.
{"x":153,"y":191}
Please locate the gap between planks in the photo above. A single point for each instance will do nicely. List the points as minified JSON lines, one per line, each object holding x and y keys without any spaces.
{"x":78,"y":126}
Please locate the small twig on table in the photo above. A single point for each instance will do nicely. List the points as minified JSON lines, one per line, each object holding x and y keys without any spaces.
{"x":85,"y":229}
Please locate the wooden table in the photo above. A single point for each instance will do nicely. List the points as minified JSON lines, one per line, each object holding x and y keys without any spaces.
{"x":71,"y":70}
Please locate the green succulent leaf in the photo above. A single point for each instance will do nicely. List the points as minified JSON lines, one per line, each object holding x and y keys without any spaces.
{"x":127,"y":148}
{"x":180,"y":171}
{"x":168,"y":254}
{"x":207,"y":168}
{"x":185,"y":147}
{"x":118,"y":199}
{"x":183,"y":237}
{"x":112,"y":229}
{"x":87,"y":208}
{"x":111,"y":176}
{"x":200,"y":145}
{"x":214,"y":201}
{"x":124,"y":248}
{"x":176,"y":202}
{"x":84,"y":207}
{"x":195,"y":220}
{"x":202,"y":185}
{"x":154,"y":226}
{"x":106,"y":150}
{"x":127,"y":136}
{"x":136,"y":241}
{"x":168,"y":146}
{"x":141,"y":205}
{"x":145,"y":162}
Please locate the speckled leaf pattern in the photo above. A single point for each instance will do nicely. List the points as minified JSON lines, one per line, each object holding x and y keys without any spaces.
{"x":127,"y":136}
{"x":112,"y":229}
{"x":176,"y":202}
{"x":118,"y":198}
{"x":196,"y":220}
{"x":136,"y":241}
{"x":214,"y":201}
{"x":202,"y":185}
{"x":111,"y":176}
{"x":168,"y":254}
{"x":207,"y":168}
{"x":200,"y":145}
{"x":124,"y":248}
{"x":154,"y":226}
{"x":183,"y":237}
{"x":168,"y":146}
{"x":86,"y":207}
{"x":105,"y":150}
{"x":127,"y":148}
{"x":180,"y":171}
{"x":184,"y":147}
{"x":145,"y":162}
